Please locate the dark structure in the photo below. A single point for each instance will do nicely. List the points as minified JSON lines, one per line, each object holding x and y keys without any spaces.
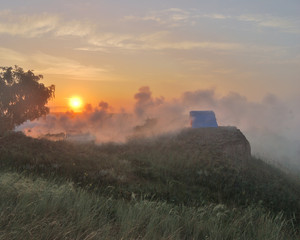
{"x":202,"y":119}
{"x":223,"y":142}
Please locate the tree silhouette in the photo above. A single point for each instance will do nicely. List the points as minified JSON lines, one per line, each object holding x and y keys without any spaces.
{"x":22,"y":97}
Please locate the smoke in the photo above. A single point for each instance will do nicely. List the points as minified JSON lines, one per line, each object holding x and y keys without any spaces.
{"x":145,"y":102}
{"x":271,"y":125}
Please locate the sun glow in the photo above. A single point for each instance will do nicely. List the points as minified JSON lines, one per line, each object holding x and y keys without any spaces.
{"x":75,"y":103}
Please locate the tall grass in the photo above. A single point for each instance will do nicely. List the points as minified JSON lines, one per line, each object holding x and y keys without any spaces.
{"x":35,"y":208}
{"x":176,"y":169}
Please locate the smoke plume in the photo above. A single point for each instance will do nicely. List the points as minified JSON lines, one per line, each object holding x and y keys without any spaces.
{"x":270,"y":125}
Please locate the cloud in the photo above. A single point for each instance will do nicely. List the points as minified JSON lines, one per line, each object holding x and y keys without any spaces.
{"x":75,"y":28}
{"x":172,"y":17}
{"x":48,"y":64}
{"x":36,"y":25}
{"x":27,"y":25}
{"x":32,"y":26}
{"x":175,"y":17}
{"x":217,"y":16}
{"x":285,"y":24}
{"x":11,"y":57}
{"x":263,"y":20}
{"x":157,"y":41}
{"x":92,"y":49}
{"x":190,"y":45}
{"x":109,"y":40}
{"x":63,"y":66}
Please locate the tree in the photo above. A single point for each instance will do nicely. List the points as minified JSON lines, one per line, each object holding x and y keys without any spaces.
{"x":22,"y":97}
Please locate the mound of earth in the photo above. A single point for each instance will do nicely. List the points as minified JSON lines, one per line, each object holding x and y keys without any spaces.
{"x":225,"y":142}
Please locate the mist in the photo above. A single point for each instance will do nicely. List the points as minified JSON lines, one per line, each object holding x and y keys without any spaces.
{"x":270,"y":125}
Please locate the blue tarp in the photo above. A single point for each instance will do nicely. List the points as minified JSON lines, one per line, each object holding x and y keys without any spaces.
{"x":200,"y":119}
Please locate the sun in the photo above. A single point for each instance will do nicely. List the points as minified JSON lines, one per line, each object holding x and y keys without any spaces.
{"x":75,"y":103}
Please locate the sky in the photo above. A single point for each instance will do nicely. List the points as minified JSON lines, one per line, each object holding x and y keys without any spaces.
{"x":106,"y":50}
{"x":238,"y":58}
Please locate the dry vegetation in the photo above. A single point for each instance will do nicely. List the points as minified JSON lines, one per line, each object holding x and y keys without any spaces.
{"x":168,"y":187}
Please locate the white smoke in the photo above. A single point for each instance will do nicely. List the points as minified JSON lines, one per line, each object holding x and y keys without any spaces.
{"x":271,"y":126}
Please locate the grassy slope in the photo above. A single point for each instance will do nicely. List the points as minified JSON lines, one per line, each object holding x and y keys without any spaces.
{"x":164,"y":170}
{"x":35,"y":208}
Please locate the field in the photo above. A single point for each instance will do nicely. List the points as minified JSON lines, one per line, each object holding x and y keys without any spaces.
{"x":167,"y":187}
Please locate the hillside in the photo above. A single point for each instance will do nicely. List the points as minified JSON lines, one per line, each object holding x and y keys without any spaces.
{"x":195,"y":168}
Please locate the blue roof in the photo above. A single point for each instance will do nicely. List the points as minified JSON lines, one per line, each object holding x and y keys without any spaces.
{"x":200,"y":119}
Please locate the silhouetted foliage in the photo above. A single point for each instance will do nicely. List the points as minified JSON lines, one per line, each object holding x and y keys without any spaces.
{"x":22,"y":97}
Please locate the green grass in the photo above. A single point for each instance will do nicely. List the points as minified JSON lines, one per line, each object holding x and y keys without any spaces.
{"x":161,"y":188}
{"x":35,"y":208}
